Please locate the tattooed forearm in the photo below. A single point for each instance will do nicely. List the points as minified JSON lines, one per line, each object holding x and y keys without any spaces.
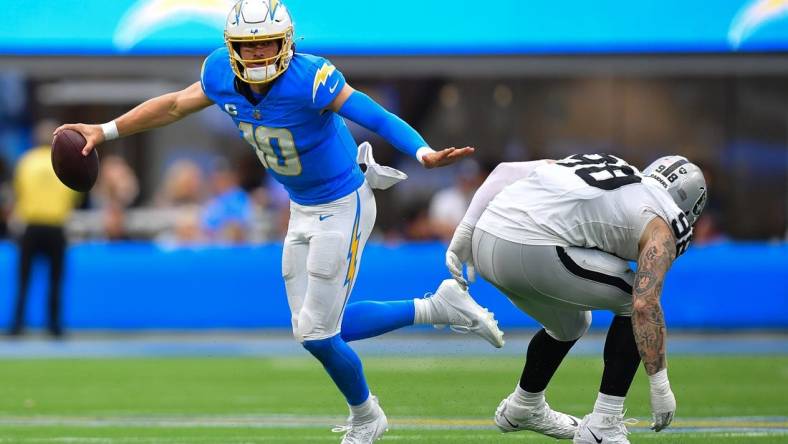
{"x":648,"y":320}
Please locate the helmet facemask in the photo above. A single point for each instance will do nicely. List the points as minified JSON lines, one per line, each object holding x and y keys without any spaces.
{"x":269,"y":68}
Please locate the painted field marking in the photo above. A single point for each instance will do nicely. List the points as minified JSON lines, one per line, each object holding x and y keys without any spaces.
{"x":777,"y":424}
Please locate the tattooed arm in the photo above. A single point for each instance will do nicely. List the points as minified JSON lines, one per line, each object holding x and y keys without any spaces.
{"x":657,"y":252}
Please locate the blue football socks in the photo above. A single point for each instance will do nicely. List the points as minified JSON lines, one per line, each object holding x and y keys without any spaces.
{"x":362,"y":320}
{"x":367,"y":319}
{"x":343,"y":365}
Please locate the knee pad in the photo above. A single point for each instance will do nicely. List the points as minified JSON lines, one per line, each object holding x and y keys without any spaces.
{"x":305,"y":326}
{"x":572,"y":330}
{"x":307,"y":329}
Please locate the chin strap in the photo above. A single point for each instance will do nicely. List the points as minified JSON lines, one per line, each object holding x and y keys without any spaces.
{"x":261,"y":73}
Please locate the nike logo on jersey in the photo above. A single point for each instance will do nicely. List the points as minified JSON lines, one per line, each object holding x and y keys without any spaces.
{"x":574,"y":422}
{"x":333,"y":88}
{"x":597,"y":439}
{"x":323,"y":217}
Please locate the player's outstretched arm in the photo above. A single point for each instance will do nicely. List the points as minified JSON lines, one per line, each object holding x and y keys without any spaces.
{"x":657,"y":252}
{"x":360,"y":108}
{"x":154,"y":113}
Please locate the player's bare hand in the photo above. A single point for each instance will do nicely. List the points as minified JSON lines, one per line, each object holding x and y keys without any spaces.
{"x":92,"y":134}
{"x":446,"y":156}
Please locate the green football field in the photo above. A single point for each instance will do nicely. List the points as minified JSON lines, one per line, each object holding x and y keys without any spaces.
{"x":428,"y":400}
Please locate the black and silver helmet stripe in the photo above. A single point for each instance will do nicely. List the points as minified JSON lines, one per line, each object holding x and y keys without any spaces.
{"x":673,"y":167}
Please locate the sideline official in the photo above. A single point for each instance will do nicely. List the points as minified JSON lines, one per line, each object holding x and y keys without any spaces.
{"x":42,"y":205}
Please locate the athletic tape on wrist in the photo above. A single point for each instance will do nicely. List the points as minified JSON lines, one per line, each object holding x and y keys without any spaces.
{"x":659,"y":381}
{"x":421,"y":152}
{"x":110,"y":130}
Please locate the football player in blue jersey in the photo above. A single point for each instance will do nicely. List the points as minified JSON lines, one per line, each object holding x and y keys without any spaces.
{"x":289,"y":107}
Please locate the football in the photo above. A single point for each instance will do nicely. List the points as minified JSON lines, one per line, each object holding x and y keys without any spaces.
{"x":76,"y":171}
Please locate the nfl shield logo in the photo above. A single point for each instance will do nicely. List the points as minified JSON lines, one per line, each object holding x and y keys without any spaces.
{"x":256,"y":114}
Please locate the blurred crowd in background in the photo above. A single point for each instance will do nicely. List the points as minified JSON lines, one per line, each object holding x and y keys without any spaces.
{"x":736,"y":129}
{"x":222,"y":201}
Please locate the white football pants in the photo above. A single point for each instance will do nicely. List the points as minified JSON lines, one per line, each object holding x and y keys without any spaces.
{"x":321,"y":258}
{"x":556,"y":286}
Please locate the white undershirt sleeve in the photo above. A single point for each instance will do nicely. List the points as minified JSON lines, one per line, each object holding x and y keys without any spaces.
{"x":503,"y":175}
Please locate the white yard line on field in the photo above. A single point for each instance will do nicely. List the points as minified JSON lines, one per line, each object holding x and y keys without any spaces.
{"x":777,"y":424}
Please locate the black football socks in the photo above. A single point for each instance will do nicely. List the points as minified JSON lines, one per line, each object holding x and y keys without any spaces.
{"x":621,"y":358}
{"x":542,"y":360}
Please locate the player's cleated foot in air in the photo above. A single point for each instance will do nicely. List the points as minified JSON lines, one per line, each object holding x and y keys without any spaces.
{"x":597,"y":428}
{"x":365,"y":430}
{"x":453,"y":306}
{"x":512,"y":417}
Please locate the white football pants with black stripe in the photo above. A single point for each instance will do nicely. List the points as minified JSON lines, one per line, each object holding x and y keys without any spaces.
{"x":320,"y":260}
{"x":556,"y":286}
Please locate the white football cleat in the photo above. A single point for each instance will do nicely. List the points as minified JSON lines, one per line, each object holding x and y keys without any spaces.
{"x":511,"y":417}
{"x":367,"y":431}
{"x":597,"y":428}
{"x":462,"y":314}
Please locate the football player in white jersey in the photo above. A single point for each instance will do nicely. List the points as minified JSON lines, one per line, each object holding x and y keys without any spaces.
{"x":555,"y":237}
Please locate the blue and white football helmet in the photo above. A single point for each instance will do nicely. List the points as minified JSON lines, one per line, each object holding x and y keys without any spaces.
{"x":683,"y":180}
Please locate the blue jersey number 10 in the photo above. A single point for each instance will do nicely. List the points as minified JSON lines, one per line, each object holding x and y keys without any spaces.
{"x":275,"y":148}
